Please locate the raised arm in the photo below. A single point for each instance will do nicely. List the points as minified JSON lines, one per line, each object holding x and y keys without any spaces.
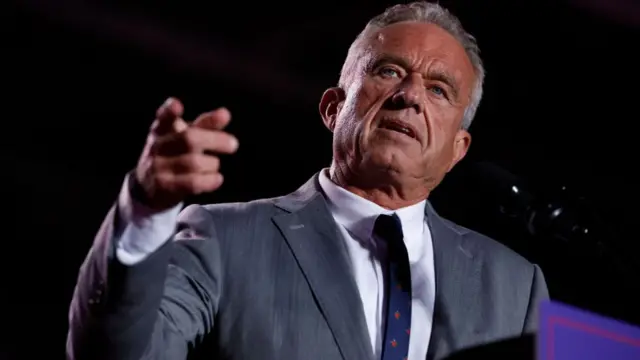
{"x":142,"y":291}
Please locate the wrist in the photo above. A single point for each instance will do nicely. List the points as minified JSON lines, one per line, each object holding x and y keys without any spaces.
{"x":137,"y":192}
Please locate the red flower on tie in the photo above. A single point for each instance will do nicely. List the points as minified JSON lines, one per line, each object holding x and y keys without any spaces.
{"x":397,"y":315}
{"x":394,"y":343}
{"x":408,"y":331}
{"x":399,"y":287}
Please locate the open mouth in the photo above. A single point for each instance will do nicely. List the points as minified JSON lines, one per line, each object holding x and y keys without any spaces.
{"x":399,"y":126}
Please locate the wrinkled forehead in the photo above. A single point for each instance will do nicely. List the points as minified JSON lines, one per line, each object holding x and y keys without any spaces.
{"x":420,"y":44}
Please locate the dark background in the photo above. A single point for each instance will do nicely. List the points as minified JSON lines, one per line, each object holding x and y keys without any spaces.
{"x":84,"y":80}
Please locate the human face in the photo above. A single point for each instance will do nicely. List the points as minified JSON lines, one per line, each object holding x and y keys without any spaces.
{"x":401,"y":111}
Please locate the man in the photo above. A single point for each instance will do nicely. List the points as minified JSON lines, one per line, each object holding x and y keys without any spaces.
{"x":355,"y":264}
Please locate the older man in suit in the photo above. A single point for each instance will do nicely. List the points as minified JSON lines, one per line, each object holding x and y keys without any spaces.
{"x":355,"y":264}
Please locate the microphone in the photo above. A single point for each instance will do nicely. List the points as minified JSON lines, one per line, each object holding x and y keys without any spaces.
{"x":551,"y":216}
{"x":554,"y":213}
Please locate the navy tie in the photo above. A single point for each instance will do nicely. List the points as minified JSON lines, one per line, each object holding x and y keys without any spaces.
{"x":398,"y":291}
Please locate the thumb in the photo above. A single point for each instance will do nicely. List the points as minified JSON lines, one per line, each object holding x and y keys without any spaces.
{"x":179,"y":125}
{"x":167,"y":115}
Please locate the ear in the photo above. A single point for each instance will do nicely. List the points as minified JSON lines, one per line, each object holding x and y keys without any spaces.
{"x":461,"y":144}
{"x":330,"y":106}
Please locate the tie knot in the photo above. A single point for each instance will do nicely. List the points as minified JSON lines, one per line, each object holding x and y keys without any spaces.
{"x":389,"y":228}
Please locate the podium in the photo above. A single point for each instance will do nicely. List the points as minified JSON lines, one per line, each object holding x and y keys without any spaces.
{"x":522,"y":348}
{"x":565,"y":333}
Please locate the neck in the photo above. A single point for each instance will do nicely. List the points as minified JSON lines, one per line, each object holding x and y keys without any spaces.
{"x":382,"y":189}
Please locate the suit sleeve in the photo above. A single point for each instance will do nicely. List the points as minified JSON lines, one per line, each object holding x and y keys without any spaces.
{"x":156,"y":308}
{"x":538,"y":294}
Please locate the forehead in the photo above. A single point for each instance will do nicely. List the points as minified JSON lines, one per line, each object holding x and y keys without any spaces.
{"x":423,"y":45}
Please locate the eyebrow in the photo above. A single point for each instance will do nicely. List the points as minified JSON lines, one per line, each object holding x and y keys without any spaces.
{"x":436,"y":74}
{"x":387,"y":59}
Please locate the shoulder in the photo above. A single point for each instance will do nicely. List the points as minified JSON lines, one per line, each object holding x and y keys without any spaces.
{"x":233,"y":210}
{"x":494,"y":254}
{"x":237,"y":215}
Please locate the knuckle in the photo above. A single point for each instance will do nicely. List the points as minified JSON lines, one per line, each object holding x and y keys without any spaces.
{"x":155,"y":164}
{"x":192,"y":162}
{"x":164,"y":182}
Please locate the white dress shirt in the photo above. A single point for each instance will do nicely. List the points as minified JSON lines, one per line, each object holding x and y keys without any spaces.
{"x":143,"y":231}
{"x":356,"y":217}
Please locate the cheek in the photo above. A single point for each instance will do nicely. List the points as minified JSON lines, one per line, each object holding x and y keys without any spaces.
{"x":367,"y":97}
{"x":345,"y":128}
{"x":345,"y":132}
{"x":435,"y":130}
{"x":360,"y":105}
{"x":441,"y":125}
{"x":348,"y":121}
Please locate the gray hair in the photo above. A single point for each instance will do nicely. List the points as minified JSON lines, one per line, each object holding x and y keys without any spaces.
{"x":423,"y":11}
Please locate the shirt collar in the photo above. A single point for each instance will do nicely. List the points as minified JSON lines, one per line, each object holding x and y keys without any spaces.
{"x":358,"y":215}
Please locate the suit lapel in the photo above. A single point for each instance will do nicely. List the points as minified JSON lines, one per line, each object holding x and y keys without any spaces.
{"x":318,"y":247}
{"x":457,"y":269}
{"x":313,"y":237}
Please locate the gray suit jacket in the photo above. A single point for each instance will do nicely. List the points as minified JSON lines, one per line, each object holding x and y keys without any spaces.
{"x":271,"y":279}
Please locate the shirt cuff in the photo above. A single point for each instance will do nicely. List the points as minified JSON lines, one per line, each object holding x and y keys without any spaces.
{"x":142,"y":230}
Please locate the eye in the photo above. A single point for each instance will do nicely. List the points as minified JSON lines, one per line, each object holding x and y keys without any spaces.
{"x":388,"y":72}
{"x":438,"y":90}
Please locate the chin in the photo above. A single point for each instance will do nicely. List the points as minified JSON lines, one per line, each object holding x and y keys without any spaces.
{"x":387,"y":159}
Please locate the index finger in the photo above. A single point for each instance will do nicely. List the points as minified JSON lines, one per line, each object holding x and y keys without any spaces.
{"x":214,"y":120}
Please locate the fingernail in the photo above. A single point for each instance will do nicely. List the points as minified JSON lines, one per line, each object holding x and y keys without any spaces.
{"x":234,"y":144}
{"x":168,"y":102}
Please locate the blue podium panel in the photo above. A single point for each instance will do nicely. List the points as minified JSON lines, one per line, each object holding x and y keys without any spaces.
{"x":568,"y":333}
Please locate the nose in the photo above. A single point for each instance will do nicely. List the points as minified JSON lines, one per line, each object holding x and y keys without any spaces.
{"x":409,"y":95}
